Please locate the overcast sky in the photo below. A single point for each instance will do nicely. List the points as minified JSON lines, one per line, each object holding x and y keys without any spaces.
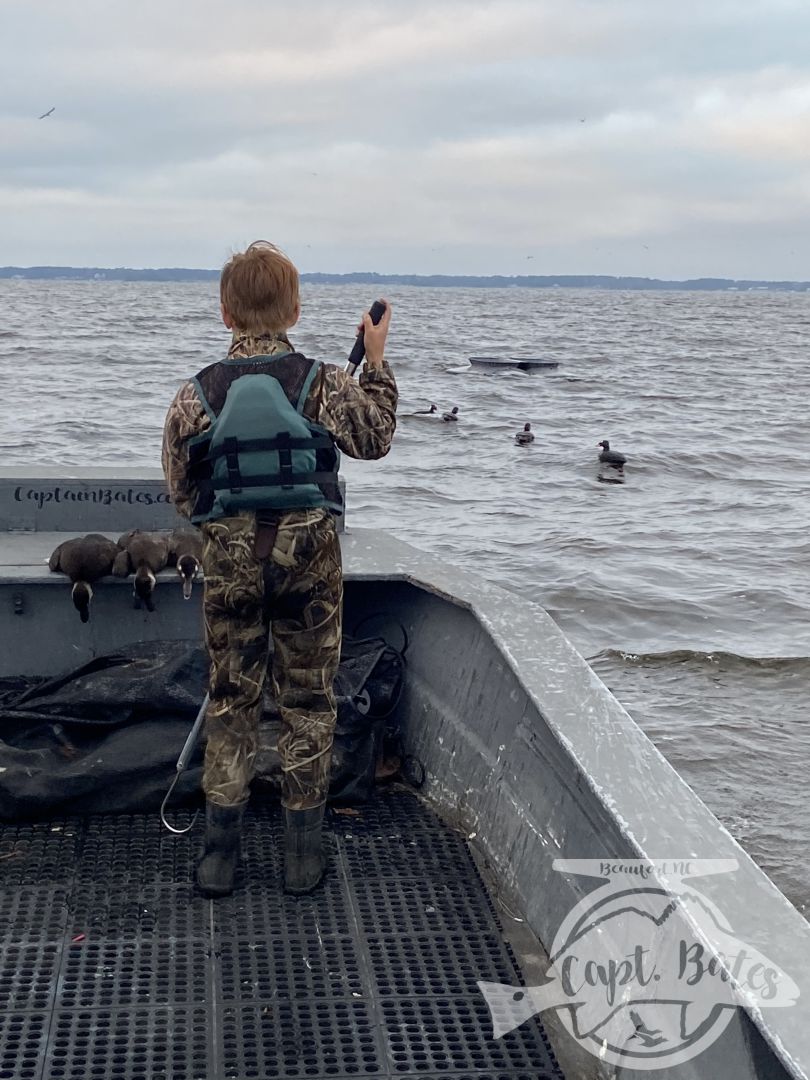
{"x":668,"y":138}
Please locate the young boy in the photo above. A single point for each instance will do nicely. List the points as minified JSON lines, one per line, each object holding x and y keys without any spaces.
{"x":249,"y":456}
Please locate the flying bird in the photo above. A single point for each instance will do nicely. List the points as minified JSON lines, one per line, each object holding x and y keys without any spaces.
{"x":48,"y":113}
{"x":648,"y":1036}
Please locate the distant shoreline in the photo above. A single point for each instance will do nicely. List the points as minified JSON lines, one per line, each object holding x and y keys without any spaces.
{"x":467,"y":281}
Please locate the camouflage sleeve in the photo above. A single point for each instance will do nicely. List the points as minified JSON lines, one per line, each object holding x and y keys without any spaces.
{"x":186,"y":417}
{"x":360,"y":414}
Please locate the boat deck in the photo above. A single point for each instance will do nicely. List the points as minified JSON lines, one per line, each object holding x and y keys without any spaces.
{"x":111,"y":965}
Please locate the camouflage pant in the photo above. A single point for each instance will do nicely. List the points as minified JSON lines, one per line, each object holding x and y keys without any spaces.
{"x":296,"y":594}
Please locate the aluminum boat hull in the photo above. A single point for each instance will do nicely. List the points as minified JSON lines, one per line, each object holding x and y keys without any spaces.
{"x":524,"y":747}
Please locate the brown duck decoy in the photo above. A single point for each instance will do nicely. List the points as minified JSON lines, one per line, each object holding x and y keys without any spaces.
{"x":84,"y":559}
{"x":147,"y":553}
{"x":185,"y":552}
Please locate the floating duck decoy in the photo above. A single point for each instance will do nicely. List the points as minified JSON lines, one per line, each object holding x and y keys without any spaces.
{"x":452,"y":415}
{"x":84,"y":559}
{"x":523,"y":438}
{"x":611,"y":457}
{"x":147,"y":553}
{"x":427,"y":412}
{"x":185,"y":552}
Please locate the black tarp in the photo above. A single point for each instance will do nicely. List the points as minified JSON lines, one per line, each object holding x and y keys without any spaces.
{"x":106,"y":736}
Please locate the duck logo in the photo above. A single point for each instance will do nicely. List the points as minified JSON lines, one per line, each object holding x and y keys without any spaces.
{"x":645,"y":971}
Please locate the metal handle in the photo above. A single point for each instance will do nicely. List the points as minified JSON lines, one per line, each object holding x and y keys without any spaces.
{"x":182,"y":762}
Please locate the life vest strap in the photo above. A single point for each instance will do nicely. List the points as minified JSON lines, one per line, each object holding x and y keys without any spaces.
{"x":284,"y":479}
{"x":230,"y":448}
{"x":201,"y":450}
{"x":282,"y":441}
{"x":289,"y":480}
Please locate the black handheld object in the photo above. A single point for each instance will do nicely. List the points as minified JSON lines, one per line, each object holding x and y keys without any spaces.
{"x":376,"y":312}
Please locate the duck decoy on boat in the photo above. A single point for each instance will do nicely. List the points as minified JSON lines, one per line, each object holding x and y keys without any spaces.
{"x":611,"y":457}
{"x":185,"y":553}
{"x":84,"y":559}
{"x":452,"y":415}
{"x":523,"y":438}
{"x":147,"y":553}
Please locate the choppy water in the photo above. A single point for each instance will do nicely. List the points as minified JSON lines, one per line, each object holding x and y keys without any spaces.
{"x":687,"y":584}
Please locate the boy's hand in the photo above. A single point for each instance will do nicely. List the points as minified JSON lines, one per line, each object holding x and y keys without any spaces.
{"x":374,"y":336}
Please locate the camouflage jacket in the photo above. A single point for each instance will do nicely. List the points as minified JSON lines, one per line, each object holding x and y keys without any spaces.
{"x":359,"y":414}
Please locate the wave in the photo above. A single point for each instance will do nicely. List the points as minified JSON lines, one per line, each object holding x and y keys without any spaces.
{"x":716,"y":658}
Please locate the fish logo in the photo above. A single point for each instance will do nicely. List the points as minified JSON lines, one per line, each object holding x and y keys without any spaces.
{"x":645,"y":970}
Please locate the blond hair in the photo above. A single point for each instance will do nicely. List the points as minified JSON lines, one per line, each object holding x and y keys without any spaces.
{"x":259,"y":289}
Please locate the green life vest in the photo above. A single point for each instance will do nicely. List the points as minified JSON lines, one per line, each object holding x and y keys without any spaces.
{"x":260,"y":452}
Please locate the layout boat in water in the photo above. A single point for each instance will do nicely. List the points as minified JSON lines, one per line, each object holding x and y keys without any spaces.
{"x":111,"y":966}
{"x":521,"y":363}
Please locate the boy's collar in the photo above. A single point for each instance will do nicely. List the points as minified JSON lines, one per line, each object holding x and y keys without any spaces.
{"x":243,"y":346}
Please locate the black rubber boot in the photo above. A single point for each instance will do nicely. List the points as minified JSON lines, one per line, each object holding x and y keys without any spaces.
{"x":217,"y":865}
{"x":304,"y":860}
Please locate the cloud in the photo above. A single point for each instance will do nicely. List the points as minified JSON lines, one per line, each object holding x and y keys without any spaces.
{"x":764,"y":116}
{"x":444,"y":136}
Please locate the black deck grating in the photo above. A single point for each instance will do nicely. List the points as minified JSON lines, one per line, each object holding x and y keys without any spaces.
{"x":301,"y":1039}
{"x":289,"y":968}
{"x":106,"y":974}
{"x":22,"y":1044}
{"x":32,"y":914}
{"x":136,"y":850}
{"x":439,"y":906}
{"x":122,"y":913}
{"x":45,"y":852}
{"x":111,"y":966}
{"x":384,"y":854}
{"x":132,"y":1044}
{"x":396,"y":816}
{"x":262,"y":911}
{"x":262,"y":851}
{"x":453,"y":1034}
{"x":442,"y":966}
{"x":28,"y":975}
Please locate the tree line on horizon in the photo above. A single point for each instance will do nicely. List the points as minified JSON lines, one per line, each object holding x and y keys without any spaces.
{"x":537,"y":281}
